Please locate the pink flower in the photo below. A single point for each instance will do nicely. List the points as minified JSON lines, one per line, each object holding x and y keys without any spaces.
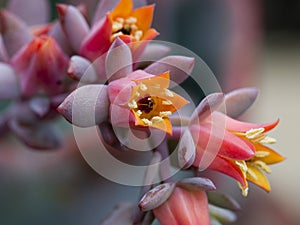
{"x":41,"y":66}
{"x":229,"y":146}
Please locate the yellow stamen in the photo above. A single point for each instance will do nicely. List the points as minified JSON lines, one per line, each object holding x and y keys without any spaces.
{"x":157,"y":119}
{"x":254,"y":133}
{"x":252,"y":174}
{"x":126,"y":26}
{"x":262,"y":165}
{"x":147,"y":122}
{"x":132,"y":104}
{"x":165,"y":113}
{"x":138,"y":35}
{"x":244,"y":189}
{"x":131,"y":20}
{"x":268,"y":140}
{"x":143,"y":87}
{"x":167,"y":102}
{"x":243,"y":166}
{"x":261,"y":154}
{"x":168,"y":93}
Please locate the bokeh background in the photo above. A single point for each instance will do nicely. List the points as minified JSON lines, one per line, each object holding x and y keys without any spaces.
{"x":245,"y":43}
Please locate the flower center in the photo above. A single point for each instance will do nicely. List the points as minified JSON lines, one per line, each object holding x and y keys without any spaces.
{"x":145,"y":104}
{"x":126,"y":26}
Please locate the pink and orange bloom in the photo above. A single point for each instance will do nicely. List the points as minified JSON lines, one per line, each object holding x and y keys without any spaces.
{"x":144,"y":100}
{"x":238,"y":148}
{"x":132,"y":26}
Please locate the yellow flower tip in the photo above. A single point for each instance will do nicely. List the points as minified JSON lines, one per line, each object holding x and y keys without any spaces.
{"x":152,"y":103}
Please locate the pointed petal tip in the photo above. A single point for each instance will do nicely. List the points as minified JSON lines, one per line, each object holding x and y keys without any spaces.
{"x":61,"y":9}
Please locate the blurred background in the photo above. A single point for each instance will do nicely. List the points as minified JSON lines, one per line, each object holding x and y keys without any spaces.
{"x":245,"y":43}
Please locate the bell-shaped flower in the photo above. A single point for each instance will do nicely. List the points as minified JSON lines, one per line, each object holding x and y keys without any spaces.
{"x":230,"y":146}
{"x":123,"y":21}
{"x":183,"y":203}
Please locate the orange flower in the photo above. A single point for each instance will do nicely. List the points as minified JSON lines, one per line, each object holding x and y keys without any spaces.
{"x":147,"y":98}
{"x":130,"y":25}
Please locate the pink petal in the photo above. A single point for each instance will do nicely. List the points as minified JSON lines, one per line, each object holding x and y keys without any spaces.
{"x":9,"y":83}
{"x":41,"y":64}
{"x":121,"y":116}
{"x":184,"y":208}
{"x":239,"y":126}
{"x":118,"y":63}
{"x":216,"y":142}
{"x":180,"y":68}
{"x":229,"y":168}
{"x":120,"y":90}
{"x":86,"y":106}
{"x":33,"y":12}
{"x":209,"y":104}
{"x":82,"y":70}
{"x":239,"y":100}
{"x":98,"y":40}
{"x":14,"y":32}
{"x":74,"y":25}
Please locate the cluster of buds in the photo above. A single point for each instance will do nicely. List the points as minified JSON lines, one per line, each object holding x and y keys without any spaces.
{"x":42,"y":63}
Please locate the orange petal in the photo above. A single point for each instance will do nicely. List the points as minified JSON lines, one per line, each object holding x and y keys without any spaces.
{"x":144,"y":17}
{"x":261,"y":180}
{"x":123,"y":9}
{"x":273,"y":156}
{"x":164,"y":125}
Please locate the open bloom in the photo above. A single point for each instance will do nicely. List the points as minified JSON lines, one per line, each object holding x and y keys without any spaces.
{"x":230,"y":146}
{"x":256,"y":135}
{"x":130,"y":25}
{"x":142,"y":99}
